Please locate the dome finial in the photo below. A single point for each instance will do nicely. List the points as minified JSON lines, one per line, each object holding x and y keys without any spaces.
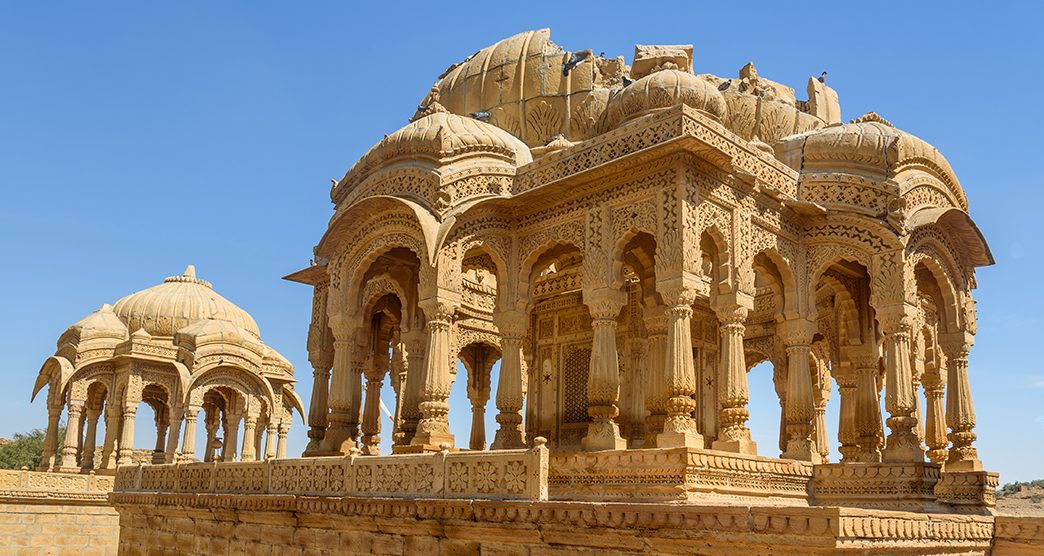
{"x":190,"y":271}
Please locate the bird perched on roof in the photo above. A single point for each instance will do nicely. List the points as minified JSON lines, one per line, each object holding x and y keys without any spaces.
{"x":626,"y":80}
{"x":822,"y":77}
{"x":725,"y":85}
{"x":482,"y":116}
{"x":574,"y":60}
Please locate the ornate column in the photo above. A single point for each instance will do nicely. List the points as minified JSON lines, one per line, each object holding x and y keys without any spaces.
{"x":112,"y":426}
{"x":228,"y":451}
{"x":935,"y":420}
{"x":211,"y":421}
{"x":90,"y":439}
{"x":433,"y":428}
{"x":398,"y":375}
{"x":733,"y":393}
{"x":72,"y":435}
{"x":512,"y":327}
{"x":868,"y":406}
{"x":318,"y":407}
{"x":270,"y":440}
{"x":902,"y":444}
{"x":639,"y":375}
{"x":603,"y":379}
{"x":249,"y":452}
{"x":917,"y":365}
{"x":414,"y":342}
{"x":679,"y":428}
{"x":161,"y":436}
{"x":281,"y":444}
{"x":800,"y":408}
{"x":371,"y":425}
{"x":127,"y":434}
{"x":960,"y":411}
{"x":188,"y":445}
{"x":54,"y":415}
{"x":847,"y":433}
{"x":656,"y":389}
{"x":345,"y":388}
{"x":171,"y":453}
{"x":820,"y":395}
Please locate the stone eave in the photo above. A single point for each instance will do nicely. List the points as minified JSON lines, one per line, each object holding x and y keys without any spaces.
{"x":311,"y":275}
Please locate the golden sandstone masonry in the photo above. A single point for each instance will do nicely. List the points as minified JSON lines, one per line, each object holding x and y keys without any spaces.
{"x":628,"y":241}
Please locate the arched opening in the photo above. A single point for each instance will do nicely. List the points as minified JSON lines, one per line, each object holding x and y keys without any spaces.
{"x":641,"y":341}
{"x":155,"y":400}
{"x":91,"y":455}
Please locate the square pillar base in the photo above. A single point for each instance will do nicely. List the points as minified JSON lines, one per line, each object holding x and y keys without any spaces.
{"x":679,"y":440}
{"x":883,"y":486}
{"x":969,"y":492}
{"x":742,"y":446}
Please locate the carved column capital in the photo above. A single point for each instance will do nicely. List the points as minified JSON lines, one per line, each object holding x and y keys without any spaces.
{"x":438,"y":310}
{"x":605,"y":303}
{"x":796,"y":333}
{"x":897,"y":319}
{"x":511,"y":324}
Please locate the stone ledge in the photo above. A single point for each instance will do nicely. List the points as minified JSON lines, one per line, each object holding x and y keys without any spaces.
{"x":885,"y":486}
{"x":662,"y":527}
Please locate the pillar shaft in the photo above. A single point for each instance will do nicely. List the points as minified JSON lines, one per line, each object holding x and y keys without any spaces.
{"x":960,"y":411}
{"x":345,"y":388}
{"x":90,"y":439}
{"x":800,"y":407}
{"x":270,"y":441}
{"x":433,"y":428}
{"x":54,"y":415}
{"x":127,"y":435}
{"x":281,"y":444}
{"x":249,"y":452}
{"x":318,"y":408}
{"x":679,"y":428}
{"x":656,"y":389}
{"x":733,"y":393}
{"x":371,"y":425}
{"x":188,"y":445}
{"x":847,"y":434}
{"x":509,"y":398}
{"x":603,"y":379}
{"x":409,"y":396}
{"x":868,"y":410}
{"x":902,"y":444}
{"x":72,"y":437}
{"x":935,"y":416}
{"x":112,"y":426}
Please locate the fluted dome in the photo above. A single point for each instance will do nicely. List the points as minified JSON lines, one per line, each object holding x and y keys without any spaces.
{"x":179,"y":301}
{"x":664,"y":89}
{"x":444,"y":135}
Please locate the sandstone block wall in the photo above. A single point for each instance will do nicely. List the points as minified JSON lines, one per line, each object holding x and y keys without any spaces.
{"x":39,"y":529}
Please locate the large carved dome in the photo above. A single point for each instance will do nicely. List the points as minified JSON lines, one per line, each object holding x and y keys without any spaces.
{"x":664,"y":89}
{"x":178,"y":302}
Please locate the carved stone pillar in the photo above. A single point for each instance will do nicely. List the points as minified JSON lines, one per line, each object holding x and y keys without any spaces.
{"x":414,"y":342}
{"x":345,"y":388}
{"x":281,"y":443}
{"x":54,"y":415}
{"x":512,"y":326}
{"x":656,"y":389}
{"x":868,"y":408}
{"x":679,"y":428}
{"x":90,"y":439}
{"x":733,"y":392}
{"x":72,"y":435}
{"x":318,"y":408}
{"x":127,"y":434}
{"x":170,"y":454}
{"x":398,"y":375}
{"x":270,"y":441}
{"x":433,"y":428}
{"x":935,"y":419}
{"x":800,"y":407}
{"x":228,"y":451}
{"x":371,"y":426}
{"x":902,"y":444}
{"x":960,"y":411}
{"x":112,"y":426}
{"x":637,"y":353}
{"x":211,"y":421}
{"x":188,"y":444}
{"x":249,"y":452}
{"x":161,"y":436}
{"x":603,"y":379}
{"x":847,"y":433}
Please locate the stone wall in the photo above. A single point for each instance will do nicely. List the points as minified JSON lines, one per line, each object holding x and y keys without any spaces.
{"x":53,"y":513}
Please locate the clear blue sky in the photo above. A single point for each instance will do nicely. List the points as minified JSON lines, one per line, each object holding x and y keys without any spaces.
{"x":136,"y":139}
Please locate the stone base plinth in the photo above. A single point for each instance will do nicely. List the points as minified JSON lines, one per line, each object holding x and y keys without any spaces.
{"x":889,"y":486}
{"x":677,"y":474}
{"x":969,"y":491}
{"x":259,"y":524}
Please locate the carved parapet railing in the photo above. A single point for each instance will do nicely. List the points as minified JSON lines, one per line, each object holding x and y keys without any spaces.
{"x":677,"y":474}
{"x":969,"y":491}
{"x":499,"y":475}
{"x":56,"y":487}
{"x":1018,"y":535}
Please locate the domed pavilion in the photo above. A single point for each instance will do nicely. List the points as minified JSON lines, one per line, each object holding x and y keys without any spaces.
{"x":182,"y":349}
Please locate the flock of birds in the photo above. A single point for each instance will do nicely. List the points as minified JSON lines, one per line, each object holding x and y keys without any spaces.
{"x":578,"y":57}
